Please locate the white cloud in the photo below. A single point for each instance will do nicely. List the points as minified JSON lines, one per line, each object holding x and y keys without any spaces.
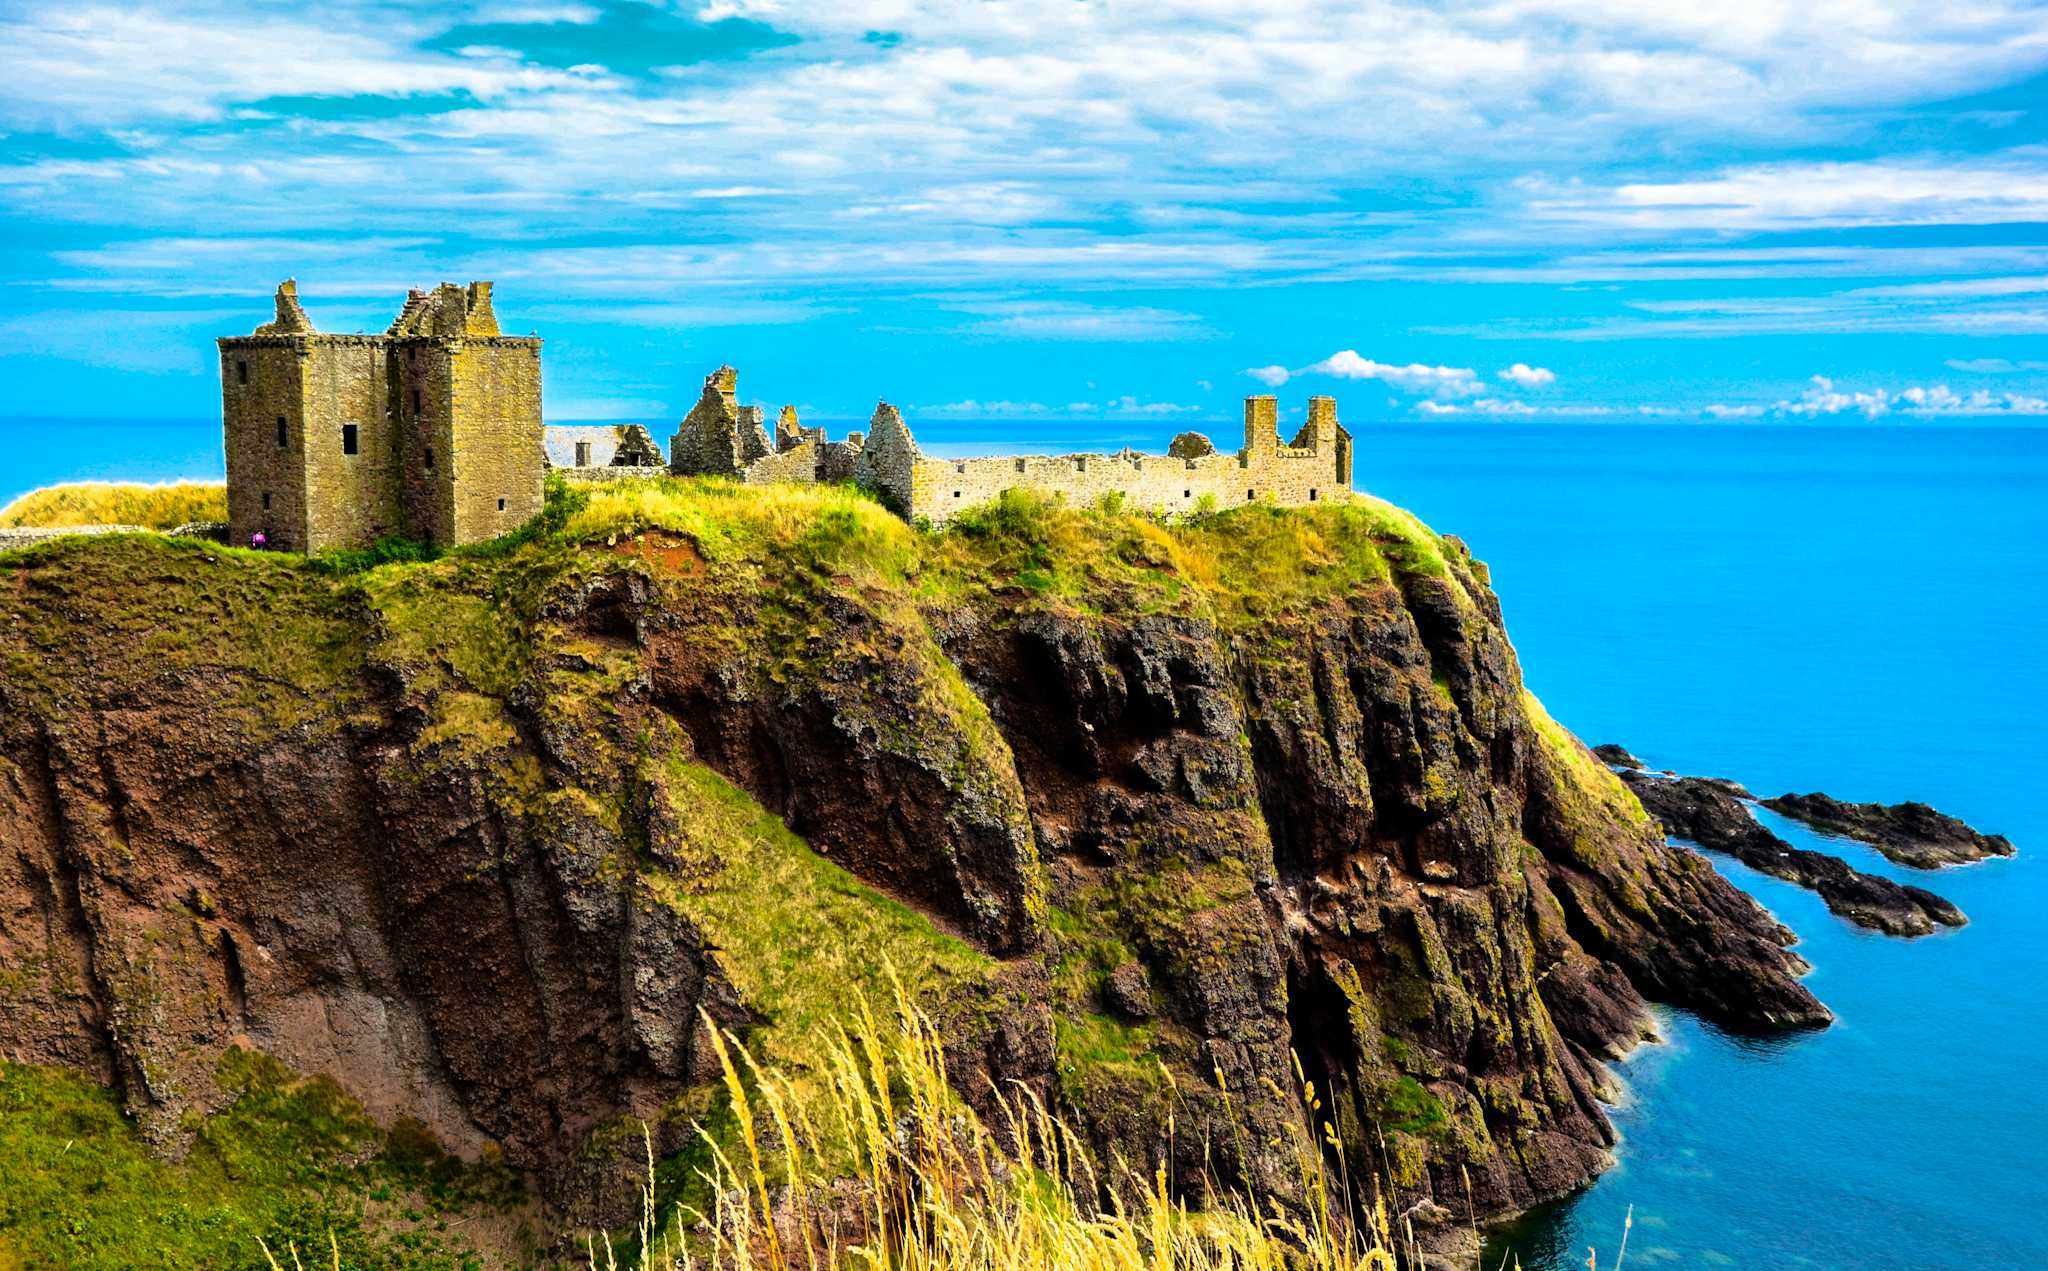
{"x":1060,"y":320}
{"x":1415,"y":377}
{"x":972,"y":408}
{"x":1993,"y":365}
{"x":1271,"y":376}
{"x":1822,"y":398}
{"x":1526,"y":376}
{"x":2004,"y":187}
{"x":1748,"y":410}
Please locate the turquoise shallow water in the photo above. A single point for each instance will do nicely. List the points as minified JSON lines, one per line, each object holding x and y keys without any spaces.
{"x":1857,"y":610}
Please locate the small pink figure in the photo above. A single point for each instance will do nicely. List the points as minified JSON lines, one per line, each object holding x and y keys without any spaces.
{"x":258,"y":541}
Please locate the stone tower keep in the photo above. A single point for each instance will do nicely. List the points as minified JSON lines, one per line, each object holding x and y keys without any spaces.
{"x":431,"y":430}
{"x":467,"y":402}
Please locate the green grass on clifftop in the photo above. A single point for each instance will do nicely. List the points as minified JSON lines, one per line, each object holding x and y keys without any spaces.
{"x":156,"y":507}
{"x":1237,"y":565}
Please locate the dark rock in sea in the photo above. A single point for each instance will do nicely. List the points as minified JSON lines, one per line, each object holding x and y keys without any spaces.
{"x":1614,"y":756}
{"x":1723,"y":784}
{"x":1705,"y":812}
{"x":1908,"y":833}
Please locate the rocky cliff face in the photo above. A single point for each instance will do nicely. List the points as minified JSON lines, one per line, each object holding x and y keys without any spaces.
{"x":1138,"y":811}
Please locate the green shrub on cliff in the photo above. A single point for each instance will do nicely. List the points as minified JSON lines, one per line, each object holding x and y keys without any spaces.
{"x":156,"y":507}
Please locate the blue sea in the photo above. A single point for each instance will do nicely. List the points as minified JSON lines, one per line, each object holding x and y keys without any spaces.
{"x":1860,"y":610}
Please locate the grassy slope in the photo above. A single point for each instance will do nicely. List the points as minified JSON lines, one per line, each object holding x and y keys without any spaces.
{"x":301,"y":631}
{"x":286,"y":1164}
{"x":157,"y":507}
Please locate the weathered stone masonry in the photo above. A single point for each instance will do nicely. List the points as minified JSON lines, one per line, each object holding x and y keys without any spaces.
{"x":432,"y":429}
{"x":719,"y":437}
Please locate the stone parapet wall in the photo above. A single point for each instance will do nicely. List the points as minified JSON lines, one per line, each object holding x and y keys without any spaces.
{"x":942,"y":487}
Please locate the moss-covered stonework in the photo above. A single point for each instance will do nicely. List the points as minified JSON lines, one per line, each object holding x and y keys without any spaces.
{"x":1140,"y":810}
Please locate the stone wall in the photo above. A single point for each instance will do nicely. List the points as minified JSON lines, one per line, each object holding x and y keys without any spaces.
{"x":613,"y":472}
{"x":350,"y":498}
{"x":261,"y":385}
{"x":498,"y":469}
{"x":423,"y":383}
{"x":25,"y":536}
{"x":1316,"y":468}
{"x":799,"y":463}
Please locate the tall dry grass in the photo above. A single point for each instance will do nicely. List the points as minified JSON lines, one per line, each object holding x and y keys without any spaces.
{"x":931,"y":1188}
{"x":155,"y":507}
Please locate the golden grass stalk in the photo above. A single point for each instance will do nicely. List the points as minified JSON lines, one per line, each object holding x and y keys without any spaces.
{"x":931,"y":1188}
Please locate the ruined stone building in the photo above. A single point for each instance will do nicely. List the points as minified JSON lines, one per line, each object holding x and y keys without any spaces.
{"x":722,"y":438}
{"x":431,"y":430}
{"x":598,"y":450}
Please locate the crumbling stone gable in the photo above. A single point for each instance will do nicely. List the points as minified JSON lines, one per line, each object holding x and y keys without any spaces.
{"x":889,"y":460}
{"x":719,"y":437}
{"x":787,"y":431}
{"x":432,"y":429}
{"x":707,"y":443}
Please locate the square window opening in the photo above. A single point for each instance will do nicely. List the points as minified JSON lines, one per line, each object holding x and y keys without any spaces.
{"x":501,"y":505}
{"x":1311,"y":494}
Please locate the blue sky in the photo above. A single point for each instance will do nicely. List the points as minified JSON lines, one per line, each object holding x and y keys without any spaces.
{"x":1830,"y":210}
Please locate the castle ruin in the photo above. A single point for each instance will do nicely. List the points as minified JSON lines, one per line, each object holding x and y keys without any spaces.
{"x":719,"y":437}
{"x":431,"y":430}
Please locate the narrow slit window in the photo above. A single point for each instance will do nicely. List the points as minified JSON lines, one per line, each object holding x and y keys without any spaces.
{"x":348,"y":439}
{"x":1249,"y":495}
{"x":241,"y":372}
{"x":281,"y":432}
{"x":1311,"y":494}
{"x":266,"y":500}
{"x":501,"y":505}
{"x":430,"y":458}
{"x":415,"y":401}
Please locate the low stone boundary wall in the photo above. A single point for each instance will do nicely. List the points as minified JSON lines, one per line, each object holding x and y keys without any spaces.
{"x":597,"y":475}
{"x":22,"y":537}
